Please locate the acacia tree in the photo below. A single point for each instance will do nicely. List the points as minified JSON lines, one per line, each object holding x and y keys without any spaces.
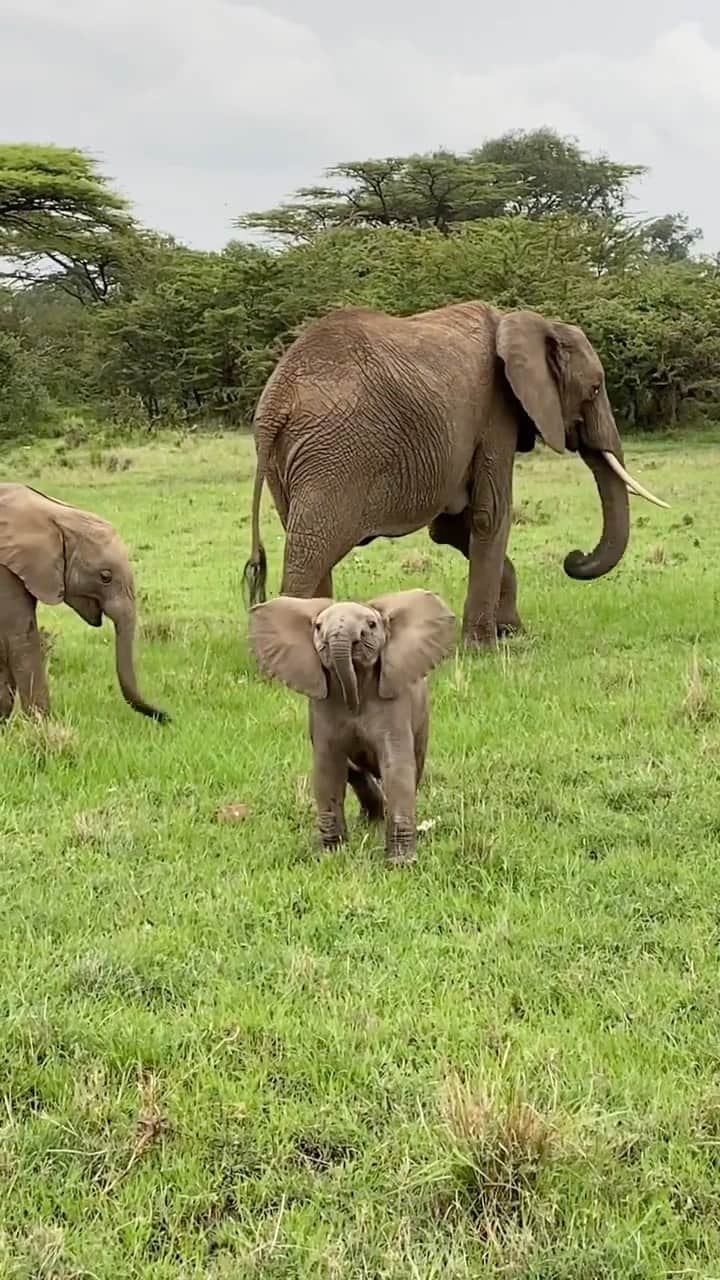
{"x":438,"y":190}
{"x":61,"y":221}
{"x":535,"y":174}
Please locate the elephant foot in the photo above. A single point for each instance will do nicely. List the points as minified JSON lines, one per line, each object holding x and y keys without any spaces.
{"x":332,"y":833}
{"x":400,"y":846}
{"x":403,"y":859}
{"x":510,"y":626}
{"x":331,"y":842}
{"x":480,"y":638}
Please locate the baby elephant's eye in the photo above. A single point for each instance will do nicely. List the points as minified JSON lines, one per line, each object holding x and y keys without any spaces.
{"x":317,"y":627}
{"x":372,"y":624}
{"x":105,"y":575}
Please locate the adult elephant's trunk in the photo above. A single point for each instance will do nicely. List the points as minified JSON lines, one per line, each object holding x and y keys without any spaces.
{"x":124,"y":621}
{"x":616,"y":522}
{"x":342,"y":665}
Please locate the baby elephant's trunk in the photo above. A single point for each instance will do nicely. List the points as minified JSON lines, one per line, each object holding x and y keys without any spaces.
{"x":342,"y":665}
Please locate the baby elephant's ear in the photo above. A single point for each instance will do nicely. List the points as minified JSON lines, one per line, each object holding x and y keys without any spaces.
{"x":419,"y":629}
{"x":281,"y":637}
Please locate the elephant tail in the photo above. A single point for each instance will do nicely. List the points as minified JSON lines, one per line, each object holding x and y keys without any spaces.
{"x":255,"y":571}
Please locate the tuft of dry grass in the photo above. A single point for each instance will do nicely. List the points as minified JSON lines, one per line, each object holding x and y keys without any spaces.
{"x":43,"y":737}
{"x":529,"y":512}
{"x":47,"y":641}
{"x":698,"y":704}
{"x":657,"y":554}
{"x":151,"y":1125}
{"x":499,"y":1149}
{"x":91,"y":826}
{"x":416,"y":561}
{"x":158,"y":630}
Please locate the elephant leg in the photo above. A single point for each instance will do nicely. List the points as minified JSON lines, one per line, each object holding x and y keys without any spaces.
{"x":490,"y":520}
{"x":330,"y":775}
{"x":7,"y":690}
{"x":314,"y":543}
{"x":325,"y":588}
{"x":23,"y":649}
{"x":508,"y":618}
{"x":368,"y":791}
{"x":420,"y":745}
{"x":454,"y":531}
{"x":28,"y":670}
{"x":487,"y":561}
{"x":399,"y":780}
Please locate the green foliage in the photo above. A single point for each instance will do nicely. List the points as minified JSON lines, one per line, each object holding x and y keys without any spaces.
{"x":656,"y":325}
{"x":25,"y":407}
{"x":534,"y":173}
{"x":60,"y":219}
{"x":659,"y":334}
{"x":436,"y":190}
{"x":670,"y":237}
{"x":194,"y":336}
{"x":553,"y":175}
{"x":525,"y":220}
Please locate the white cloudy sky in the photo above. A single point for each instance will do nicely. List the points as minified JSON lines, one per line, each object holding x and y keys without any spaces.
{"x":200,"y":109}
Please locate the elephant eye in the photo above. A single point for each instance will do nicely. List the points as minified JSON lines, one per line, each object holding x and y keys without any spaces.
{"x":372,"y":624}
{"x":105,"y":575}
{"x":596,"y":390}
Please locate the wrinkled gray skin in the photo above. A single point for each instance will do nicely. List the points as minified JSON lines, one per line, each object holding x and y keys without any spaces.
{"x":362,"y":666}
{"x":373,"y":426}
{"x":56,"y":553}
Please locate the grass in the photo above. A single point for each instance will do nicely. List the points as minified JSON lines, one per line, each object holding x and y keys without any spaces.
{"x":224,"y":1054}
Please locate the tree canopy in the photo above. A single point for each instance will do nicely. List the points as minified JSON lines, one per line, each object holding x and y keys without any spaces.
{"x":535,"y":173}
{"x":60,"y":220}
{"x":130,"y":326}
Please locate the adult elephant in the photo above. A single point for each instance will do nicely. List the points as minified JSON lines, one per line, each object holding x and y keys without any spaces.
{"x":53,"y":552}
{"x":373,"y":425}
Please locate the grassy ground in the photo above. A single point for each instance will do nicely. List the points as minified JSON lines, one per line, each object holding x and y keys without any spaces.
{"x":224,"y":1054}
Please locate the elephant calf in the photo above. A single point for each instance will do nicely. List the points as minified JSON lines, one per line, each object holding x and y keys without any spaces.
{"x":363,"y":667}
{"x":53,"y":552}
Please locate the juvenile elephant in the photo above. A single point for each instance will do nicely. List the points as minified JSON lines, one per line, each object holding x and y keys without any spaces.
{"x":362,"y":666}
{"x":53,"y":552}
{"x":373,"y":426}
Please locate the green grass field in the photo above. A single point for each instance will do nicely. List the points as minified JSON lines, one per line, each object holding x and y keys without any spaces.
{"x":226,"y":1054}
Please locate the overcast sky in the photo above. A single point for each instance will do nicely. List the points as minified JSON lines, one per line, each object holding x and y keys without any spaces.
{"x":201,"y":109}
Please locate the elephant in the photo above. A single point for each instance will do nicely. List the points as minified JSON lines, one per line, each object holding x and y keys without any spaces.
{"x":373,"y":425}
{"x":363,"y":668}
{"x":53,"y":552}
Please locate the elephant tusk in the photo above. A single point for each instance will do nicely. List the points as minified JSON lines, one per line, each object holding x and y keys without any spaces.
{"x":632,"y":485}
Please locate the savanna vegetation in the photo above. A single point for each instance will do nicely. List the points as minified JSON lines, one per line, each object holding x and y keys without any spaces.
{"x":108,"y":321}
{"x":222,"y":1053}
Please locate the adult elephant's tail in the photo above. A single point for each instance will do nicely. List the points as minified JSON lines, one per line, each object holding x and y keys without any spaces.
{"x":270,"y":417}
{"x":255,"y":571}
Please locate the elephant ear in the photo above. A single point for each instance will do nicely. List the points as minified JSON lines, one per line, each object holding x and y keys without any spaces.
{"x":419,"y":630}
{"x":281,"y":637}
{"x":532,"y":355}
{"x":31,"y":544}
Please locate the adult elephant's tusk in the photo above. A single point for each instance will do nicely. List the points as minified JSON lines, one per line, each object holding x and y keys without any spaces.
{"x":631,"y":484}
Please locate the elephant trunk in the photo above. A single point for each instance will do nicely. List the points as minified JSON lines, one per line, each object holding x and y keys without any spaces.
{"x":124,"y":643}
{"x":342,"y":665}
{"x":616,"y":522}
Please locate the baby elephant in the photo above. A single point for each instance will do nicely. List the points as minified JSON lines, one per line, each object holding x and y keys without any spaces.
{"x":52,"y":552}
{"x":362,"y":666}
